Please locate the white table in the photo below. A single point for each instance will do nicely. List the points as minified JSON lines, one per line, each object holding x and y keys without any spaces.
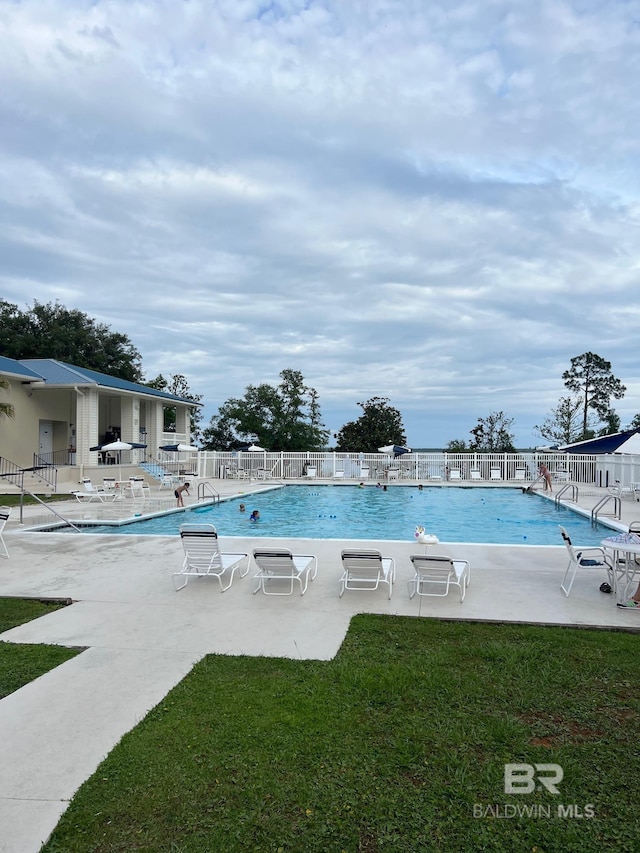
{"x":623,"y":577}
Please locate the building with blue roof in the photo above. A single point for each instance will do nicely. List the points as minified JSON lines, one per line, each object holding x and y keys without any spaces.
{"x":62,"y":410}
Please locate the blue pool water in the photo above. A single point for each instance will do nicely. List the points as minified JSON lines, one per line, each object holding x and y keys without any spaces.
{"x":497,"y":516}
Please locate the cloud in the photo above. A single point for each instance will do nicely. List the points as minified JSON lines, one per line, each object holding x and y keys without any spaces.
{"x":434,"y":203}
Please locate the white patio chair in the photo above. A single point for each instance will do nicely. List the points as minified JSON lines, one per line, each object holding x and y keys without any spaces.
{"x":521,"y":474}
{"x":584,"y":558}
{"x":366,"y":570}
{"x":435,"y":575}
{"x":287,"y":569}
{"x":203,"y":558}
{"x":475,"y":474}
{"x":5,"y":512}
{"x":495,"y":473}
{"x":168,"y":481}
{"x":138,"y":489}
{"x":455,"y":474}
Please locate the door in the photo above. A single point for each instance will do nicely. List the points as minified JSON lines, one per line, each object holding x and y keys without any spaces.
{"x":45,"y":444}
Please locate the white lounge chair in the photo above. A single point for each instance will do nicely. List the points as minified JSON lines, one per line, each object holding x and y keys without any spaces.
{"x":366,"y":570}
{"x":475,"y":474}
{"x":90,"y":493}
{"x":435,"y":575}
{"x":455,"y":474}
{"x":495,"y":473}
{"x":280,"y":565}
{"x":584,"y":558}
{"x":5,"y":512}
{"x":203,"y":558}
{"x":521,"y":474}
{"x":168,"y":481}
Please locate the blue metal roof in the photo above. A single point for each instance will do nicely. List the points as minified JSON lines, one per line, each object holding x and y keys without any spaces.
{"x":11,"y":367}
{"x":58,"y":373}
{"x":605,"y":444}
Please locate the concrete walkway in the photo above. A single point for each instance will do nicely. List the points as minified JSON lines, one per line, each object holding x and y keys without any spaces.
{"x":142,"y":638}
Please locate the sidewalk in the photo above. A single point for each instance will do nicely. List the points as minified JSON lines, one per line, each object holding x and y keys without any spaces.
{"x":142,"y":638}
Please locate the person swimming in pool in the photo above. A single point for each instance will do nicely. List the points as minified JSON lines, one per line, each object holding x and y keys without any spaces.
{"x":255,"y":516}
{"x":242,"y":507}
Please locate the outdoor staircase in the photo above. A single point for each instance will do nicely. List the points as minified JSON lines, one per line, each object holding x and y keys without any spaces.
{"x":15,"y":479}
{"x":154,"y":469}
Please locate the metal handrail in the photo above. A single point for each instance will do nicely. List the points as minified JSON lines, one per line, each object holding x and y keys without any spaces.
{"x":203,"y":488}
{"x":568,"y":487}
{"x":47,"y":506}
{"x":617,"y":503}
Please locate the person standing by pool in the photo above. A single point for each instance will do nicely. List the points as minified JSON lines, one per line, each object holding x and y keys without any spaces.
{"x":179,"y":491}
{"x":544,"y":472}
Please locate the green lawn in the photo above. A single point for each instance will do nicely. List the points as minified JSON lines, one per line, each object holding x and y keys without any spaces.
{"x":390,"y":748}
{"x":20,"y":664}
{"x":14,"y":500}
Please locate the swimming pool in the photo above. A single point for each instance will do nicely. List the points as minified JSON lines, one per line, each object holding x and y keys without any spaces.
{"x":492,"y":516}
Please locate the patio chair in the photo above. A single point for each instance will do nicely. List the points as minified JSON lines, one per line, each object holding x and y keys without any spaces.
{"x":475,"y":474}
{"x":138,"y":489}
{"x":366,"y":570}
{"x":435,"y":575}
{"x":623,"y":491}
{"x":5,"y":512}
{"x":203,"y":558}
{"x":495,"y":473}
{"x":168,"y":481}
{"x":521,"y":474}
{"x":287,"y":569}
{"x":584,"y":558}
{"x":455,"y":474}
{"x":89,"y":493}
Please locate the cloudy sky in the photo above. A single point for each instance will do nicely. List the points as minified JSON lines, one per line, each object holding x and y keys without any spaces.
{"x":436,"y":202}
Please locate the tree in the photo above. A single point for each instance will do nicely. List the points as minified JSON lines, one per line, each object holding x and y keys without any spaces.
{"x":179,"y":386}
{"x":457,"y":445}
{"x":590,"y":376}
{"x":564,"y":423}
{"x":612,"y":423}
{"x":635,"y":423}
{"x":286,"y":417}
{"x":379,"y":424}
{"x":491,"y":434}
{"x":52,"y":331}
{"x":6,"y":409}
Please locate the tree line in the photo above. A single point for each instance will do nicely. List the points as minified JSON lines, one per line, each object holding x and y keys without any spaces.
{"x":287,"y":416}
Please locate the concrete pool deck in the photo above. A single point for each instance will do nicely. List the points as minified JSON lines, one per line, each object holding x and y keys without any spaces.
{"x":141,"y":637}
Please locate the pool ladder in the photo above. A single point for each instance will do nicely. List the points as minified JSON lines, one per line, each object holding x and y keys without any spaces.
{"x":569,"y":487}
{"x":617,"y":508}
{"x":206,"y":490}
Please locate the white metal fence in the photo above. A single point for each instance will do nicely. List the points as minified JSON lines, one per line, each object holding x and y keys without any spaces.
{"x":596,"y":470}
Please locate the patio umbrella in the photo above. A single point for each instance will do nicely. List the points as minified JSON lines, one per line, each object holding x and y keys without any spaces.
{"x":395,"y":449}
{"x":254,"y":448}
{"x":118,"y":446}
{"x":177,"y":448}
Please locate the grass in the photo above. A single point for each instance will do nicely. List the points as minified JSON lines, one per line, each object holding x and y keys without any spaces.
{"x":388,"y":748}
{"x":14,"y":499}
{"x":22,"y":663}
